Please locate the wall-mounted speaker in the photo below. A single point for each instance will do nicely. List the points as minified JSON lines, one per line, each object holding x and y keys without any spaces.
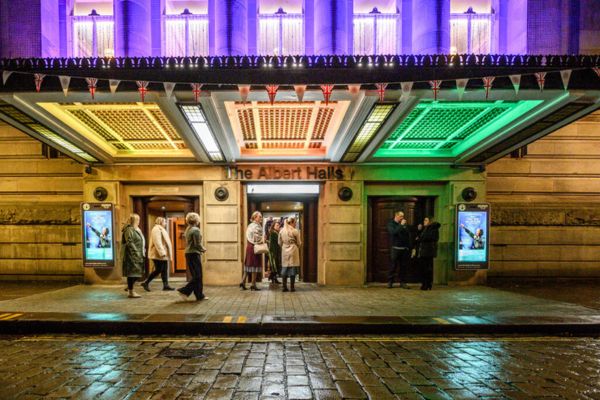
{"x":345,"y":193}
{"x":100,"y":193}
{"x":469,"y":194}
{"x":221,"y":193}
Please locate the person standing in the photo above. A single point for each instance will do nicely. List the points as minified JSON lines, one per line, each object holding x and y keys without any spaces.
{"x":133,"y":252}
{"x":160,"y":252}
{"x":193,"y":251}
{"x":253,"y":261}
{"x":274,"y":251}
{"x":427,"y":251}
{"x":399,"y":249}
{"x":289,"y":240}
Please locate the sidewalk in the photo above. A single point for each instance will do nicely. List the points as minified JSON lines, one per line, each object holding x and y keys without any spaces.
{"x":312,"y":309}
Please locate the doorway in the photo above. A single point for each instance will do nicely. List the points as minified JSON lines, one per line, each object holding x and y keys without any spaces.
{"x":305,"y":209}
{"x":174,"y":209}
{"x":381,"y":210}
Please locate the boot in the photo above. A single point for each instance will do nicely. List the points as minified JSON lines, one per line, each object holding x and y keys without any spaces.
{"x":285,"y":289}
{"x":292,"y":281}
{"x":145,"y":286}
{"x":133,"y":294}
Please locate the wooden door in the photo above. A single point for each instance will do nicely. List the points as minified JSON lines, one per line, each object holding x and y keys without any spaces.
{"x":381,"y":211}
{"x":178,"y":240}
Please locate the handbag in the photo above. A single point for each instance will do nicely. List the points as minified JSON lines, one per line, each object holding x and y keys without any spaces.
{"x":261,"y":248}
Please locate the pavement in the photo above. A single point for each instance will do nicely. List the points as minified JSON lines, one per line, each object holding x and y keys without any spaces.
{"x":311,"y":309}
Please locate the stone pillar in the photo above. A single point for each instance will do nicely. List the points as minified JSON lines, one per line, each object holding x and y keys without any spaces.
{"x":431,"y":27}
{"x":133,"y":28}
{"x":231,"y":27}
{"x":332,"y":26}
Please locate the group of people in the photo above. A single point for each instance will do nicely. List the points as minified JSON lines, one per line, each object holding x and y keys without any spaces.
{"x":280,"y":243}
{"x":160,"y":251}
{"x":404,"y":245}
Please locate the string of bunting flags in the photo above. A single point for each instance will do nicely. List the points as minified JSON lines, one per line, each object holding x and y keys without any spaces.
{"x":326,"y":89}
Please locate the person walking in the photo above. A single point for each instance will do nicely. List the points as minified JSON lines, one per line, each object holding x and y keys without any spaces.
{"x":133,"y":252}
{"x":193,"y":251}
{"x":253,"y":260}
{"x":427,"y":251}
{"x":290,"y":242}
{"x":274,"y":251}
{"x":399,"y":249}
{"x":160,"y":252}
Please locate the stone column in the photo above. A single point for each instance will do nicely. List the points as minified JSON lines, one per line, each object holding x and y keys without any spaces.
{"x":431,"y":27}
{"x":332,"y":26}
{"x":231,"y":27}
{"x":133,"y":28}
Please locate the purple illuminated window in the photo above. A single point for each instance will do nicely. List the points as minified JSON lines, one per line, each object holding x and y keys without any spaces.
{"x":186,"y":28}
{"x":280,"y":27}
{"x":471,"y":27}
{"x":376,"y":27}
{"x":92,"y":29}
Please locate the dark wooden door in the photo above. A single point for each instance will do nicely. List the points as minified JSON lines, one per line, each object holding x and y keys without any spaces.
{"x":381,"y":211}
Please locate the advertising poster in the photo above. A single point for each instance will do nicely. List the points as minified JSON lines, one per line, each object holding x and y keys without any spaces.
{"x":98,"y":234}
{"x":472,"y":236}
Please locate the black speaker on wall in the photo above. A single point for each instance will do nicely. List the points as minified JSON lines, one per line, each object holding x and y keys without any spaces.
{"x":100,"y":193}
{"x":345,"y":193}
{"x":469,"y":194}
{"x":221,"y":193}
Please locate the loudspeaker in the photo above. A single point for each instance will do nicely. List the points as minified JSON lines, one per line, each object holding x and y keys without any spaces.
{"x":469,"y":194}
{"x":100,"y":193}
{"x":345,"y":193}
{"x":221,"y":193}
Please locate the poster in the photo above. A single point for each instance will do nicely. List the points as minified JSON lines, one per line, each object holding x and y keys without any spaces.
{"x":98,"y":234}
{"x":472,"y":236}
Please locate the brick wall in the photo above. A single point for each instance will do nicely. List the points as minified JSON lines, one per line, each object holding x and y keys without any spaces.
{"x":40,"y":235}
{"x":546,"y":206}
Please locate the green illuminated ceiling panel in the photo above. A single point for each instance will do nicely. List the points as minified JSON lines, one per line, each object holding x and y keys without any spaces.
{"x":447,"y":129}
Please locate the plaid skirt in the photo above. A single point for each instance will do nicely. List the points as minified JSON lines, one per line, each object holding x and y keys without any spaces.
{"x":253,"y":262}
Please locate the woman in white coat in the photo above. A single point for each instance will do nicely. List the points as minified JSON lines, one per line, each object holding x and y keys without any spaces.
{"x":290,"y":242}
{"x":160,"y":252}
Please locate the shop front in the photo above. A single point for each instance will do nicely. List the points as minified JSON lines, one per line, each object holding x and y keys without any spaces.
{"x":341,"y":209}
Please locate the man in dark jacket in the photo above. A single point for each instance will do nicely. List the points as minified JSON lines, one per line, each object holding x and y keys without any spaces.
{"x":399,"y":249}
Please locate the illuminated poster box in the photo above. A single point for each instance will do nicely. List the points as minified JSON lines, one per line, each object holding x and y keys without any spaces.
{"x":472,"y":236}
{"x":97,"y":220}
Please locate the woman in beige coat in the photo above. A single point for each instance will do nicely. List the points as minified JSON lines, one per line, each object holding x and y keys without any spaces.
{"x":290,"y":242}
{"x":160,"y":252}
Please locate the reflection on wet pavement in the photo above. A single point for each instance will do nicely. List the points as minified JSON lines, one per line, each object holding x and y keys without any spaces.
{"x":299,"y":368}
{"x":583,"y":294}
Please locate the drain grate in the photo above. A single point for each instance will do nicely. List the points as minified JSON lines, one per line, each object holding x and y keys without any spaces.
{"x":183,"y":353}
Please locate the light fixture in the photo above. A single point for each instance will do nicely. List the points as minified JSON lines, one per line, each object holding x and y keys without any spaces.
{"x":197,"y":121}
{"x":379,"y":113}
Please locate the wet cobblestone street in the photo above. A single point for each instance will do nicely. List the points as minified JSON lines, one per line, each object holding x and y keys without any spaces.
{"x":79,"y":367}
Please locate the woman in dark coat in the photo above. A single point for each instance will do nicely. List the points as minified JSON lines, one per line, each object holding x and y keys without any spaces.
{"x":427,"y":251}
{"x":133,"y":252}
{"x":274,"y":251}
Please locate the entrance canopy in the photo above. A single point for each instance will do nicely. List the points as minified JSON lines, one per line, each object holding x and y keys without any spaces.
{"x":429,"y":111}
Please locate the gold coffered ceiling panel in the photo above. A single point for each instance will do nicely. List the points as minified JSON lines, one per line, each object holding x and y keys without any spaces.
{"x":123,"y":129}
{"x":286,"y":128}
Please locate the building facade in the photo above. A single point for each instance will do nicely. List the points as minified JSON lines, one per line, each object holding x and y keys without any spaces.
{"x":162,"y":107}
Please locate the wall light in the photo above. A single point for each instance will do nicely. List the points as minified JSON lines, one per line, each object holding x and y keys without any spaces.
{"x":196,"y":119}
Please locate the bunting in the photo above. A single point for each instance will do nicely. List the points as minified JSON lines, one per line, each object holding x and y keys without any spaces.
{"x":92,"y":84}
{"x":565,"y":76}
{"x":113,"y":84}
{"x":461,"y":86}
{"x":65,"y":81}
{"x":381,"y":91}
{"x":487,"y":84}
{"x":541,"y":79}
{"x":38,"y":78}
{"x":272,"y":92}
{"x":244,"y":92}
{"x":142,"y":88}
{"x":327,"y":89}
{"x":435,"y":86}
{"x":406,"y":89}
{"x":354,"y":90}
{"x":169,"y":87}
{"x":196,"y":90}
{"x":516,"y":82}
{"x":5,"y":76}
{"x":300,"y":90}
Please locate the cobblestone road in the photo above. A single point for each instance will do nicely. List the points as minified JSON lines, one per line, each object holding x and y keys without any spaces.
{"x":299,"y":368}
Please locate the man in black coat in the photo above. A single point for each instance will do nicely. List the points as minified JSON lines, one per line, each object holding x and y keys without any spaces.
{"x":399,"y":249}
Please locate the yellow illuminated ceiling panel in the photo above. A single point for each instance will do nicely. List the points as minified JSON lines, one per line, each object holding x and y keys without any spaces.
{"x":123,"y":129}
{"x":286,"y":128}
